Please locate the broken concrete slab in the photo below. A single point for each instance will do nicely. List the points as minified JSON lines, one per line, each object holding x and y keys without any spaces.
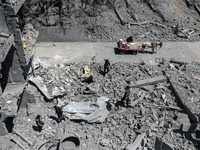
{"x":188,"y":127}
{"x":149,"y":81}
{"x":160,"y":145}
{"x":178,"y":96}
{"x":40,"y":84}
{"x":33,"y":108}
{"x":104,"y":142}
{"x":23,"y":137}
{"x":27,"y":96}
{"x":136,"y":143}
{"x":92,"y":88}
{"x":16,"y":140}
{"x":135,"y":102}
{"x":32,"y":66}
{"x":178,"y":61}
{"x":58,"y":92}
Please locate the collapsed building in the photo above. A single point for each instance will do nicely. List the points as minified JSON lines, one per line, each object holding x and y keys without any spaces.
{"x":163,"y":114}
{"x":164,"y":110}
{"x":17,"y":42}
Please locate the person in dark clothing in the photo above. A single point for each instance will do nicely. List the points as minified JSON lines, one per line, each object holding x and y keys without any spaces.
{"x":126,"y":99}
{"x":39,"y":123}
{"x":129,"y":39}
{"x":106,"y":66}
{"x":59,"y":112}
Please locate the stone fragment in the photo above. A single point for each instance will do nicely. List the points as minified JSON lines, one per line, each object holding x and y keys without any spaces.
{"x":136,"y":143}
{"x":40,"y":84}
{"x":104,"y":142}
{"x":179,"y":97}
{"x":188,"y":127}
{"x":161,"y":145}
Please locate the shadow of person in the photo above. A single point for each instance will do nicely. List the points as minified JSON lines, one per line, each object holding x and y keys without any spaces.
{"x":54,"y":118}
{"x":146,"y":52}
{"x":35,"y":128}
{"x":118,"y":103}
{"x":101,"y":71}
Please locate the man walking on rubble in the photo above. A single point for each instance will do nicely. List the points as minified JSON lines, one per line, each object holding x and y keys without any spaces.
{"x":106,"y":66}
{"x":126,"y":100}
{"x":39,"y":123}
{"x":59,"y":112}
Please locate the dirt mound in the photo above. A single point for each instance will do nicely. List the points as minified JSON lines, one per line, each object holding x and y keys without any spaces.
{"x":109,"y":20}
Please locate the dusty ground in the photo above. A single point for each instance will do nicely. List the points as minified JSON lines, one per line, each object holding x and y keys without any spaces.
{"x":54,"y":52}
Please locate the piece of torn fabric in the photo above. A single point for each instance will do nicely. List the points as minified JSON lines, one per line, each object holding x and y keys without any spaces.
{"x":92,"y":112}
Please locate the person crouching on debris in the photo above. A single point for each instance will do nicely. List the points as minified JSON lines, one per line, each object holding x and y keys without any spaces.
{"x":106,"y":66}
{"x":39,"y":123}
{"x":126,"y":99}
{"x":59,"y":112}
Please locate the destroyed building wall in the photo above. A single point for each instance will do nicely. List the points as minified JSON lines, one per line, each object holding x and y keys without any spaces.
{"x":16,"y":49}
{"x":19,"y":48}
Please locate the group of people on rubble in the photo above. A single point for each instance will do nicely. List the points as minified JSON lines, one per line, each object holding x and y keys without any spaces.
{"x":125,"y":101}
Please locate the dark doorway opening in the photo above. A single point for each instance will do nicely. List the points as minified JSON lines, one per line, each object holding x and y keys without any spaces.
{"x":9,"y":124}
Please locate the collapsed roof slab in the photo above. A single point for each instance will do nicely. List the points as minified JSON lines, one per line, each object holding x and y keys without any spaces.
{"x":178,"y":96}
{"x":148,"y":81}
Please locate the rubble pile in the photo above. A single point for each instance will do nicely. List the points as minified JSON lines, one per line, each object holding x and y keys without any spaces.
{"x":110,"y":20}
{"x":29,"y":37}
{"x":157,"y":117}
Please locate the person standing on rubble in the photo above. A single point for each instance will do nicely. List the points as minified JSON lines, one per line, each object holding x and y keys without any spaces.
{"x":39,"y":123}
{"x":59,"y":112}
{"x":126,"y":100}
{"x":106,"y":66}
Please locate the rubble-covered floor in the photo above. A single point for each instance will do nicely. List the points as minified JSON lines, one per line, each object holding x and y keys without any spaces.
{"x":155,"y":112}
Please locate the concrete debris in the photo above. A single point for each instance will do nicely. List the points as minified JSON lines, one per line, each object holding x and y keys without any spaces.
{"x":101,"y":121}
{"x":164,"y":96}
{"x":136,"y":143}
{"x":148,"y":81}
{"x":178,"y":61}
{"x":194,"y":117}
{"x":21,"y":136}
{"x":188,"y":127}
{"x":40,"y":84}
{"x":160,"y":145}
{"x":16,"y":140}
{"x":35,"y":63}
{"x":92,"y":88}
{"x":133,"y":103}
{"x":104,"y":142}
